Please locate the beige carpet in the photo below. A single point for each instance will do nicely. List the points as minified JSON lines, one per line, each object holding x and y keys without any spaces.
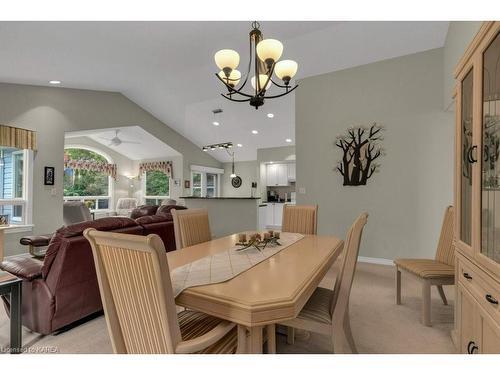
{"x":379,"y":326}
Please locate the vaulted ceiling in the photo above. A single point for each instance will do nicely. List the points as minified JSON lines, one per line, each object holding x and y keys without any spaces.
{"x":168,"y":68}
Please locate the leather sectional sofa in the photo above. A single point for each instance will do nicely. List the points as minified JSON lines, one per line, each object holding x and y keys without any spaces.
{"x":62,"y":288}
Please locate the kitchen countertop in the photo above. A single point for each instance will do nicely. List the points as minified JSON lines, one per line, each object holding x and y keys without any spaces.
{"x":190,"y":197}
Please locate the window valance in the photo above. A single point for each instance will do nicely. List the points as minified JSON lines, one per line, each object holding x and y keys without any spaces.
{"x":163,"y":166}
{"x":17,"y":137}
{"x":92,"y":165}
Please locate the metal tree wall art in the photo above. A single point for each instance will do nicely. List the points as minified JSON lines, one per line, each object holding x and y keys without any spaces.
{"x":361,"y":147}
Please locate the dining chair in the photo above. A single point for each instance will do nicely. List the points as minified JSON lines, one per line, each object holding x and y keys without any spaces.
{"x":300,"y":219}
{"x":191,"y":227}
{"x":139,"y":305}
{"x":327,"y":310}
{"x":438,"y":271}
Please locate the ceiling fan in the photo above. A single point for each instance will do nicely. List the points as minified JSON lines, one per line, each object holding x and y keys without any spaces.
{"x":116,"y":141}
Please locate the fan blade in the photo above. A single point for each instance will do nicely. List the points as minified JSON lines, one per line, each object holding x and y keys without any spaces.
{"x":106,"y":139}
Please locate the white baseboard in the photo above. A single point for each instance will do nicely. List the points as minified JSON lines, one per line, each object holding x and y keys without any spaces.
{"x":385,"y":262}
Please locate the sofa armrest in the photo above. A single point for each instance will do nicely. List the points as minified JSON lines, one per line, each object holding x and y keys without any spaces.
{"x":36,"y":241}
{"x":22,"y":266}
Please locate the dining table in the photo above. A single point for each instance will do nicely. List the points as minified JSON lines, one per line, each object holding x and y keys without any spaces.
{"x":270,"y":292}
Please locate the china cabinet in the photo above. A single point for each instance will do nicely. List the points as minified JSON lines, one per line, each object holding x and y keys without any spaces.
{"x":477,"y":194}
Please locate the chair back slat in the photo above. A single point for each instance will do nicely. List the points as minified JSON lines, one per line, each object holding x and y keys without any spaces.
{"x":300,"y":219}
{"x":191,"y":227}
{"x":445,"y":252}
{"x":347,"y":268}
{"x":136,"y":291}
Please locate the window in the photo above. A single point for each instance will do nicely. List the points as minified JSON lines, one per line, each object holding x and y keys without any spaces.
{"x":92,"y":187}
{"x":156,"y":187}
{"x":15,"y":184}
{"x":196,"y":186}
{"x":211,"y":185}
{"x":205,"y":181}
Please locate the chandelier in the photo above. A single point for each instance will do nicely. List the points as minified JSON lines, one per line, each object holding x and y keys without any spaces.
{"x":265,"y":54}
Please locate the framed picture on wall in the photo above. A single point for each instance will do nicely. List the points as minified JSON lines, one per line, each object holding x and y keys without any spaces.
{"x":187,"y":184}
{"x":48,"y":176}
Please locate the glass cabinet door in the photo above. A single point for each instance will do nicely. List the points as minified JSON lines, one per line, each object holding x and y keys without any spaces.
{"x":466,"y":164}
{"x":490,"y":170}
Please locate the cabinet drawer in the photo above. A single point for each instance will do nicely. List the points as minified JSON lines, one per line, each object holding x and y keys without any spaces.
{"x":485,"y":290}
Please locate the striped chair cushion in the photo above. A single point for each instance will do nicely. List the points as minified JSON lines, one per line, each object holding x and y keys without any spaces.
{"x":194,"y":324}
{"x":426,"y":268}
{"x":317,"y":308}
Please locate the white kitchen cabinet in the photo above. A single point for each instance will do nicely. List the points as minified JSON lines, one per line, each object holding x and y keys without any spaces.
{"x":277,"y":175}
{"x":270,"y":214}
{"x":274,"y":214}
{"x":271,"y":175}
{"x":278,"y":214}
{"x":291,"y":172}
{"x":262,"y":220}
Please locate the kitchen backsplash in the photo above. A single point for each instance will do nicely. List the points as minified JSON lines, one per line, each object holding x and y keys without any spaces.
{"x":281,"y":191}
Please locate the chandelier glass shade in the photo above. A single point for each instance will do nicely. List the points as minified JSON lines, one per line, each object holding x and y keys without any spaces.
{"x":263,"y":63}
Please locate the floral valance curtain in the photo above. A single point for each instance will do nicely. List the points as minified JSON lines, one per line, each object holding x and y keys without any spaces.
{"x":163,"y":166}
{"x":91,"y":165}
{"x":17,"y":137}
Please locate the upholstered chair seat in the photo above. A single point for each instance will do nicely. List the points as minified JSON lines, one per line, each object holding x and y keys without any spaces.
{"x":426,"y":268}
{"x":194,"y":324}
{"x":317,"y":308}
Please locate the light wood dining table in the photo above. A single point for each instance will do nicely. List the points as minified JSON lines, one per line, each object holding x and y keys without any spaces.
{"x":272,"y":291}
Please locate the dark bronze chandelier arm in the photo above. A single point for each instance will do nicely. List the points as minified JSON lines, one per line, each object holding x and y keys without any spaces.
{"x":280,"y":95}
{"x":235,"y":100}
{"x":232,"y":90}
{"x":277,"y":84}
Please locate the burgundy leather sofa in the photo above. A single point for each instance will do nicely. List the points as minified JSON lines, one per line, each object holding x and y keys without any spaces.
{"x":62,"y":288}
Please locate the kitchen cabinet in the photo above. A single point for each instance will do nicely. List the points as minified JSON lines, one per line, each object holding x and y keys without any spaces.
{"x":291,"y":172}
{"x":477,"y":187}
{"x":276,"y":175}
{"x":262,"y":219}
{"x":274,"y":214}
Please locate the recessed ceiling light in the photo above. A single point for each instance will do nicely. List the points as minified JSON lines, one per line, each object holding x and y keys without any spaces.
{"x":288,"y":140}
{"x":270,"y":115}
{"x":55,"y":82}
{"x":215,"y":123}
{"x":255,"y":132}
{"x":239,"y":145}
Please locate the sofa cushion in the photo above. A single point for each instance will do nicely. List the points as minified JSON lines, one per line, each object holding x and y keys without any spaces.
{"x":144,"y":220}
{"x":144,"y":210}
{"x":74,"y":230}
{"x":104,"y":224}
